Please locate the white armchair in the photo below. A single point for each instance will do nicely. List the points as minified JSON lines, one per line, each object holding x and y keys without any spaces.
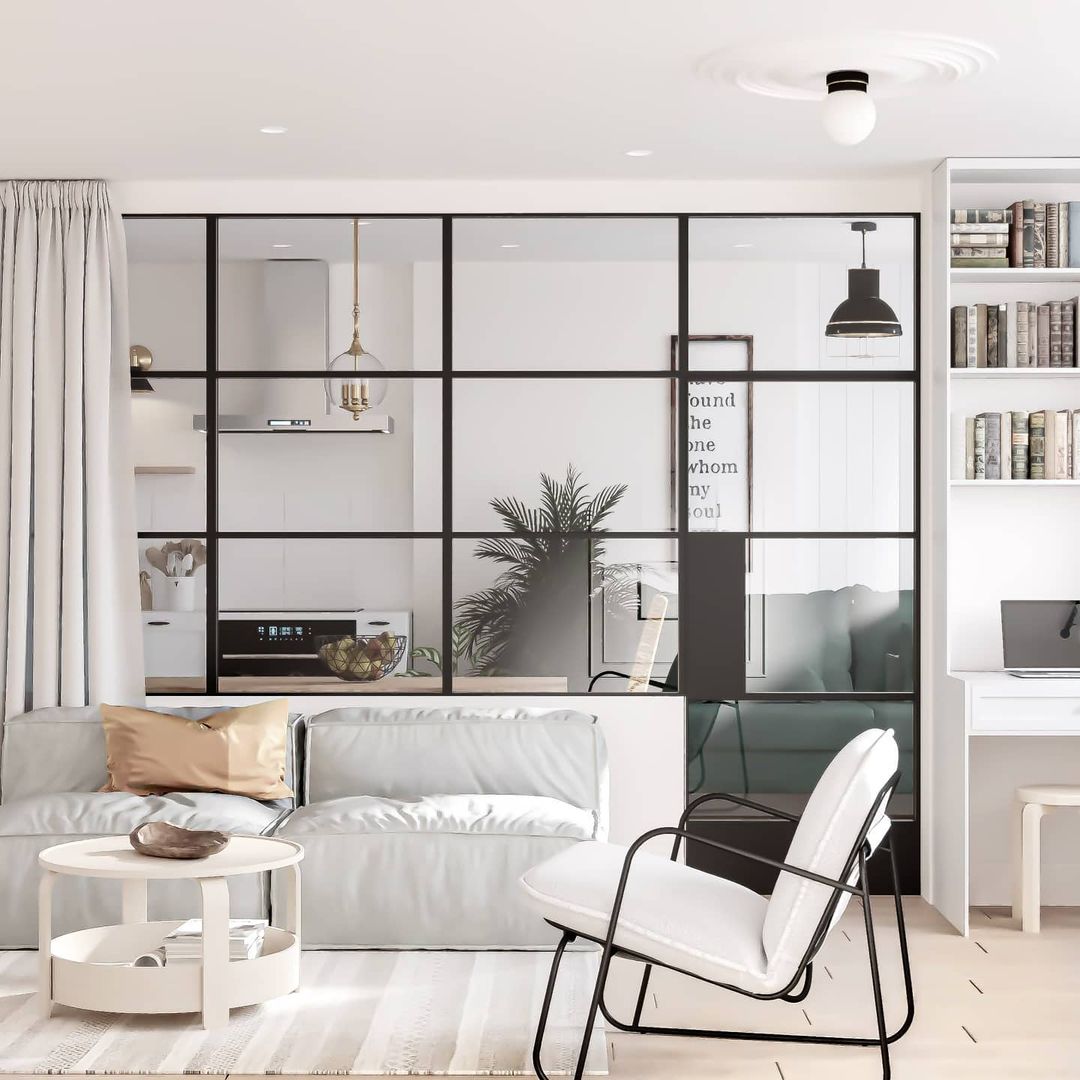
{"x":661,"y":912}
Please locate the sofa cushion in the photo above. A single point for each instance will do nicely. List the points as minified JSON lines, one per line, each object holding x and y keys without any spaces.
{"x":238,"y":751}
{"x":63,"y":749}
{"x":439,"y":872}
{"x":72,"y":815}
{"x":685,"y":918}
{"x":882,"y":642}
{"x":29,"y":826}
{"x":807,"y":643}
{"x":510,"y":815}
{"x":400,"y":753}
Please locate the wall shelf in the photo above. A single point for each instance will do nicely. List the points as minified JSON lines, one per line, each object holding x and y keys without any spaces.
{"x":1015,"y":373}
{"x":1014,"y":483}
{"x":997,"y":275}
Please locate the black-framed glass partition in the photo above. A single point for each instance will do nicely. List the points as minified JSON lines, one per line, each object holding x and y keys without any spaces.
{"x":601,"y":454}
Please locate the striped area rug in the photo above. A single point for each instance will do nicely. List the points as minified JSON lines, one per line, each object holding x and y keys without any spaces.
{"x":356,"y":1013}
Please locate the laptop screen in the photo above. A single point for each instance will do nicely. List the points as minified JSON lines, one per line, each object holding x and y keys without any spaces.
{"x":1041,"y":634}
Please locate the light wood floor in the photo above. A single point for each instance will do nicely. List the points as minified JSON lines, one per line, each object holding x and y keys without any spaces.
{"x":997,"y":1005}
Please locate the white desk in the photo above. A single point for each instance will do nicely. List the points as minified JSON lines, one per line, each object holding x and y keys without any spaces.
{"x":984,"y":705}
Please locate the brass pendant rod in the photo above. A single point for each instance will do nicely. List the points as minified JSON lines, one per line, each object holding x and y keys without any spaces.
{"x":356,"y":349}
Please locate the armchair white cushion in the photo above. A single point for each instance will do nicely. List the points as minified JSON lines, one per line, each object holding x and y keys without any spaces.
{"x":684,"y":918}
{"x":711,"y":927}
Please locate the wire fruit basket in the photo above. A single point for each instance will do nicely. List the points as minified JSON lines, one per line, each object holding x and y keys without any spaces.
{"x":364,"y":658}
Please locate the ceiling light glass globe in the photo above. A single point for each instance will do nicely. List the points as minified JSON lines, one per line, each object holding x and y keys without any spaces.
{"x":355,"y":384}
{"x":849,"y":116}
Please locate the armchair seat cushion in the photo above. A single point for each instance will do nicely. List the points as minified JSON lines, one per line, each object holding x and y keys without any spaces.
{"x":681,"y":917}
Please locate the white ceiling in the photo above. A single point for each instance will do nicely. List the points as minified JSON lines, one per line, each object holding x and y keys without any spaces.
{"x":126,"y":89}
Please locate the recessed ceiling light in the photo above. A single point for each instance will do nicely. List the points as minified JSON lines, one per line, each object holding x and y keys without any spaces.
{"x":283,"y":245}
{"x":273,"y":129}
{"x":743,"y":245}
{"x":509,"y":245}
{"x":638,"y":153}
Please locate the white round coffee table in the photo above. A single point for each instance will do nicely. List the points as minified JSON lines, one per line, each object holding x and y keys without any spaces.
{"x":91,"y":969}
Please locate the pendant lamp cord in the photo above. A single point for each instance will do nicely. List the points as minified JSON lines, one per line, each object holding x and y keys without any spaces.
{"x":862,"y":233}
{"x":356,"y":291}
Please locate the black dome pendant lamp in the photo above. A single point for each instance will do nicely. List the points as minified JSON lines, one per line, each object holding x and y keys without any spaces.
{"x":863,"y":314}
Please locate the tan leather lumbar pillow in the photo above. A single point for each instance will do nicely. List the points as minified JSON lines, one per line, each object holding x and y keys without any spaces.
{"x":237,"y":751}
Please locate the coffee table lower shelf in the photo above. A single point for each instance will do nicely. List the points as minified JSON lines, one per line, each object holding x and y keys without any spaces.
{"x":91,"y":970}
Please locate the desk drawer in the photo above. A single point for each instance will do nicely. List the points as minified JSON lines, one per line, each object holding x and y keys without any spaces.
{"x":1026,"y":715}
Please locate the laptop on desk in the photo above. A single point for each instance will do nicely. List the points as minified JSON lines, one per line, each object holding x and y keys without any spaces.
{"x":1041,"y":638}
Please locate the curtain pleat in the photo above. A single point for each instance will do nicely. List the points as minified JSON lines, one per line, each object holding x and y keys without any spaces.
{"x":70,"y":631}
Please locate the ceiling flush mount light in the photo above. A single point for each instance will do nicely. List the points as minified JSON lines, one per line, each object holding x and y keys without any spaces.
{"x":863,"y":314}
{"x":272,"y":129}
{"x":356,"y":386}
{"x":798,"y":69}
{"x":742,"y":245}
{"x":283,"y":245}
{"x":639,"y":153}
{"x":509,"y":246}
{"x":849,"y":113}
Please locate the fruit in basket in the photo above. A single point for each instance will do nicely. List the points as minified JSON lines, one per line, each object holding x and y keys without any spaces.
{"x":362,"y":659}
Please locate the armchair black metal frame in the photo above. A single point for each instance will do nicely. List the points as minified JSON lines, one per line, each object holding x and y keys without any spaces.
{"x":854,"y":869}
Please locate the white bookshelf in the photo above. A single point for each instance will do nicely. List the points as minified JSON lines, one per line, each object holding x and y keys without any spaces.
{"x":1014,"y":373}
{"x":981,"y":549}
{"x":1009,"y":275}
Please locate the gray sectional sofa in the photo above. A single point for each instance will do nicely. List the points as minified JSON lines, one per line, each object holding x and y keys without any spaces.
{"x":416,"y":824}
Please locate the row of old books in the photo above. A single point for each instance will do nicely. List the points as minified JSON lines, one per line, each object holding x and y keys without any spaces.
{"x":1029,"y":234}
{"x":1043,"y":445}
{"x":1016,"y":334}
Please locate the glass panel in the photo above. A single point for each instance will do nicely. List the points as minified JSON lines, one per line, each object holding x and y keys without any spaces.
{"x":167,"y":290}
{"x":285,"y":292}
{"x":172,"y":576}
{"x":289,"y":460}
{"x":170,"y":456}
{"x":830,"y":616}
{"x":779,"y":280}
{"x":564,"y":293}
{"x":507,"y":432}
{"x":776,"y":751}
{"x":283,"y":600}
{"x":543,"y":614}
{"x":832,"y":457}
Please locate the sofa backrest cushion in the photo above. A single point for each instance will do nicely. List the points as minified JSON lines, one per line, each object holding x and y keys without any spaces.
{"x":400,"y":753}
{"x":826,"y":834}
{"x":807,"y":645}
{"x":63,"y":749}
{"x":882,"y":640}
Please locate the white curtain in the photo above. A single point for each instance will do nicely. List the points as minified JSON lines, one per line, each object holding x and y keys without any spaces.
{"x":70,"y":630}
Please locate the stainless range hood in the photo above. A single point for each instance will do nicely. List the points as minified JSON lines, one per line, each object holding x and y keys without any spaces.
{"x":367,"y":424}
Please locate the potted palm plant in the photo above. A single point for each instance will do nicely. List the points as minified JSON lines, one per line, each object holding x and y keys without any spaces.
{"x":534,"y":618}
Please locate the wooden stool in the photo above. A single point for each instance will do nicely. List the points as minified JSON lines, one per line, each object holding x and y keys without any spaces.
{"x":1032,"y":803}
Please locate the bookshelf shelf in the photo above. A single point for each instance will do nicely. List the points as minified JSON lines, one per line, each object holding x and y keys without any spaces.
{"x":1014,"y":483}
{"x":999,"y":275}
{"x":1015,"y":373}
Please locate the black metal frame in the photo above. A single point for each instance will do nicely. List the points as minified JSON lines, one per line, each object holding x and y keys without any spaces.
{"x":854,"y":870}
{"x":681,"y":379}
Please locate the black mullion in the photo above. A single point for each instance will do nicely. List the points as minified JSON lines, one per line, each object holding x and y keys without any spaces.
{"x":447,"y":454}
{"x":683,"y":448}
{"x":791,"y":375}
{"x":916,"y":684}
{"x":212,"y":549}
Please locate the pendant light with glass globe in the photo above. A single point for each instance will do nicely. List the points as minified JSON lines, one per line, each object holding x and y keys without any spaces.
{"x":355,"y":385}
